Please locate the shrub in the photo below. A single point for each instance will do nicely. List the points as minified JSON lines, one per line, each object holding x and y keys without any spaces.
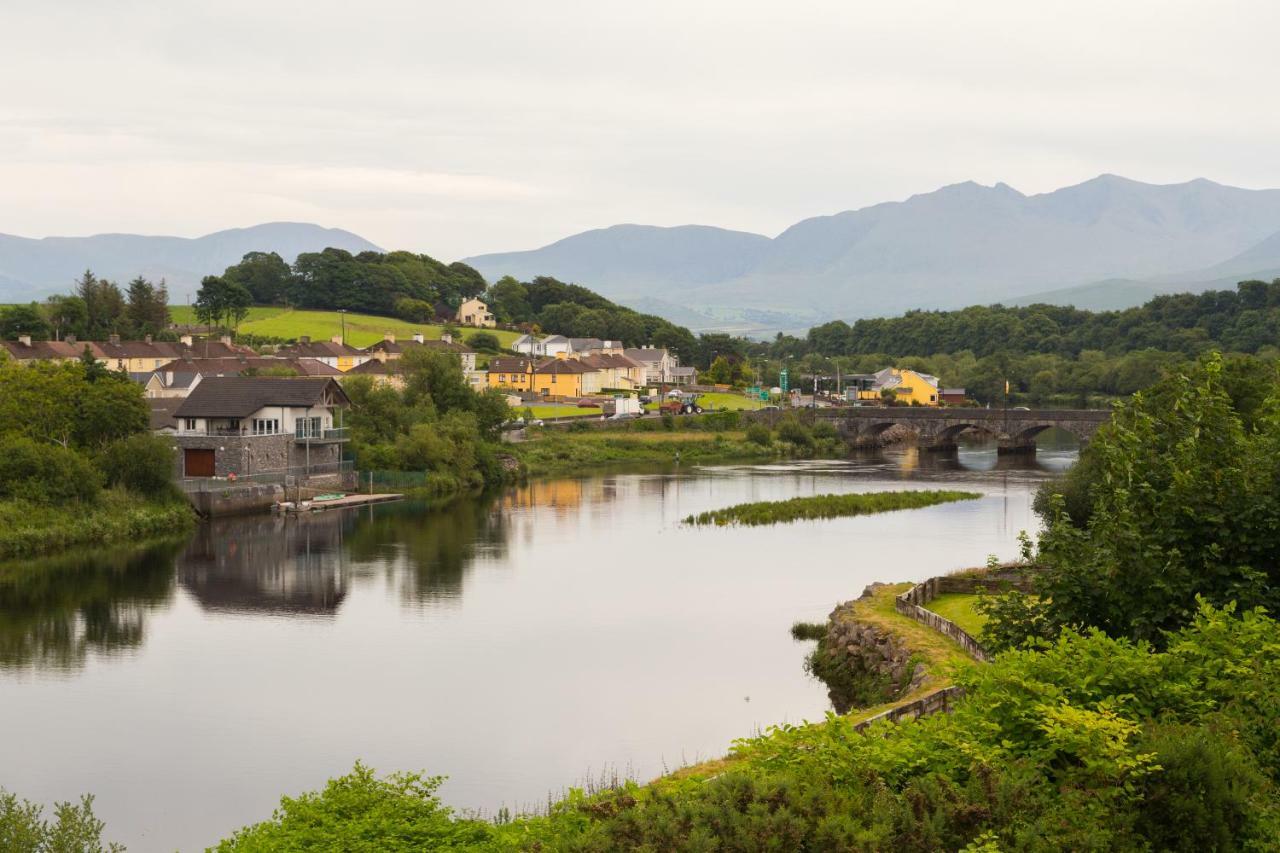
{"x":794,"y":432}
{"x":668,"y":421}
{"x":825,"y":431}
{"x":74,"y":827}
{"x":45,"y":473}
{"x":142,"y":463}
{"x":484,"y":341}
{"x":759,"y":434}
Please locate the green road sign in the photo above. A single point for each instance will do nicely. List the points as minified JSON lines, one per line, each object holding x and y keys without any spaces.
{"x":782,"y":380}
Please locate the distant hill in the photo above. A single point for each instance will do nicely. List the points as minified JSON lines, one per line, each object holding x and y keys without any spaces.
{"x":956,"y":246}
{"x":34,"y":268}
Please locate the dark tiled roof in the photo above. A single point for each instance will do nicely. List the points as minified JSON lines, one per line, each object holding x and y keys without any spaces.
{"x":236,"y":366}
{"x":373,"y":367}
{"x":320,"y":349}
{"x":43,"y":350}
{"x":163,"y":412}
{"x":241,"y":396}
{"x":392,"y":347}
{"x":509,"y":365}
{"x":645,"y":354}
{"x":562,"y":366}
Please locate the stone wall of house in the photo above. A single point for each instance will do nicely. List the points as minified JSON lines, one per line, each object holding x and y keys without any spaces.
{"x":260,"y":454}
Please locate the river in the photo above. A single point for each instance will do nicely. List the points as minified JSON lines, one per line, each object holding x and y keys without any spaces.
{"x":517,"y":644}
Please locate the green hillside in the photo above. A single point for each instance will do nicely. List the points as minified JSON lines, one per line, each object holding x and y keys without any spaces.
{"x":362,"y":329}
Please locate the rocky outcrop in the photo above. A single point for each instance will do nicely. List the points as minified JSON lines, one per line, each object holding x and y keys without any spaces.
{"x":862,"y":664}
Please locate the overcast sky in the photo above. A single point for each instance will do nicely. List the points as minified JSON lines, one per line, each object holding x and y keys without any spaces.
{"x":462,"y":127}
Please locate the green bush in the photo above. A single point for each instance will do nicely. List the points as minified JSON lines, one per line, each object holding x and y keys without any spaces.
{"x":40,"y":472}
{"x":23,"y":828}
{"x":142,"y":463}
{"x":668,"y":421}
{"x":759,"y":434}
{"x":795,"y":433}
{"x":484,"y":342}
{"x":824,"y":430}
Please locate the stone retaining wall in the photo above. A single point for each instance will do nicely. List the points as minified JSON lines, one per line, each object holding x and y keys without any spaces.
{"x":932,"y":703}
{"x":912,"y":602}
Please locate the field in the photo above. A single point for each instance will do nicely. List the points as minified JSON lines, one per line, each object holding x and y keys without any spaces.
{"x":362,"y":329}
{"x":554,"y":410}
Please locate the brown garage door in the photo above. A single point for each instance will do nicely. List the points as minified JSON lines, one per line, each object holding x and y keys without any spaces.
{"x":198,"y":462}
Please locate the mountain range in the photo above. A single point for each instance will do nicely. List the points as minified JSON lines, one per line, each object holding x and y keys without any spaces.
{"x":35,"y":268}
{"x":1109,"y":242}
{"x":1106,"y":243}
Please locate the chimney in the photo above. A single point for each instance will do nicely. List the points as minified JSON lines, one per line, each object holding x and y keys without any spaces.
{"x":389,"y":337}
{"x":185,"y":340}
{"x":146,"y":338}
{"x":25,"y":340}
{"x":417,"y":338}
{"x":446,"y":337}
{"x":336,"y":339}
{"x":71,"y":339}
{"x":226,"y":339}
{"x":114,"y":340}
{"x":304,"y":339}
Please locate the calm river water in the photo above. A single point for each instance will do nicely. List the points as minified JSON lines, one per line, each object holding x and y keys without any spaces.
{"x":517,"y":645}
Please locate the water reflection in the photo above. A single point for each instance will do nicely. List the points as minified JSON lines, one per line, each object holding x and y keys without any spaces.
{"x":54,"y":613}
{"x":427,"y":554}
{"x":269,"y":564}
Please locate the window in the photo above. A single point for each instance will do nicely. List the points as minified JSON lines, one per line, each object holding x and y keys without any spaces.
{"x":266,"y":426}
{"x":308,"y":428}
{"x":502,"y":377}
{"x":188,"y":424}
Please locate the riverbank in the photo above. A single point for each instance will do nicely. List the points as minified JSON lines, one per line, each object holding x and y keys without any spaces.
{"x":28,"y":529}
{"x":568,"y":453}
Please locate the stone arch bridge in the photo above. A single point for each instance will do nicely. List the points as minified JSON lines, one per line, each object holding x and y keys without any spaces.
{"x":939,"y":428}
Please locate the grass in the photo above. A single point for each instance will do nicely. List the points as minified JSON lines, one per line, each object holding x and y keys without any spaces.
{"x":362,"y":329}
{"x":27,"y":529}
{"x":825,"y":506}
{"x":560,"y":453}
{"x":940,"y":655}
{"x":960,"y":609}
{"x":549,"y":411}
{"x":808,"y":630}
{"x":724,"y":400}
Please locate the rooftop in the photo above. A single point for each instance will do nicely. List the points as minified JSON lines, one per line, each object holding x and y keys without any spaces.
{"x":241,"y":396}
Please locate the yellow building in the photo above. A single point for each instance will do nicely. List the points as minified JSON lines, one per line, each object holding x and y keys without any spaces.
{"x":514,"y":374}
{"x":909,"y":387}
{"x":560,"y":377}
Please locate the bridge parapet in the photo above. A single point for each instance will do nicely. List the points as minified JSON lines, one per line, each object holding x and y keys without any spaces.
{"x":939,"y":428}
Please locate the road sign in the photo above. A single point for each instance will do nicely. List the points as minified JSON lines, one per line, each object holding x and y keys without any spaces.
{"x":782,"y":380}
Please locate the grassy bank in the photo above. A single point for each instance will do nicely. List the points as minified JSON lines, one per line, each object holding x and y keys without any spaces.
{"x":825,"y":506}
{"x":565,"y":453}
{"x":361,"y":329}
{"x":28,"y":529}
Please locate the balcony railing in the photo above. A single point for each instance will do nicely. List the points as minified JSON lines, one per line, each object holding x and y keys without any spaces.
{"x":322,"y":436}
{"x":228,"y":432}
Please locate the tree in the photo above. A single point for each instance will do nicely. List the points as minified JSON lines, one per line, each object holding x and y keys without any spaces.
{"x":148,"y":308}
{"x":485,"y":342}
{"x":67,"y":316}
{"x":221,"y":303}
{"x":104,"y":305}
{"x":18,"y":320}
{"x":265,"y":275}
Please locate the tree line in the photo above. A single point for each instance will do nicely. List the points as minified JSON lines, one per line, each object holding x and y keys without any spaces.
{"x":95,"y":309}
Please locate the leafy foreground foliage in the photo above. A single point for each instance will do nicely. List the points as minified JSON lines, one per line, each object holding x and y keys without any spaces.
{"x":825,"y":506}
{"x":1180,"y":498}
{"x":23,"y":828}
{"x":1091,"y":743}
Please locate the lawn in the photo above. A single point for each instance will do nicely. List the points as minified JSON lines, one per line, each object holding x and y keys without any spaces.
{"x":960,"y":609}
{"x":726,"y":400}
{"x":362,"y":329}
{"x":547,"y":412}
